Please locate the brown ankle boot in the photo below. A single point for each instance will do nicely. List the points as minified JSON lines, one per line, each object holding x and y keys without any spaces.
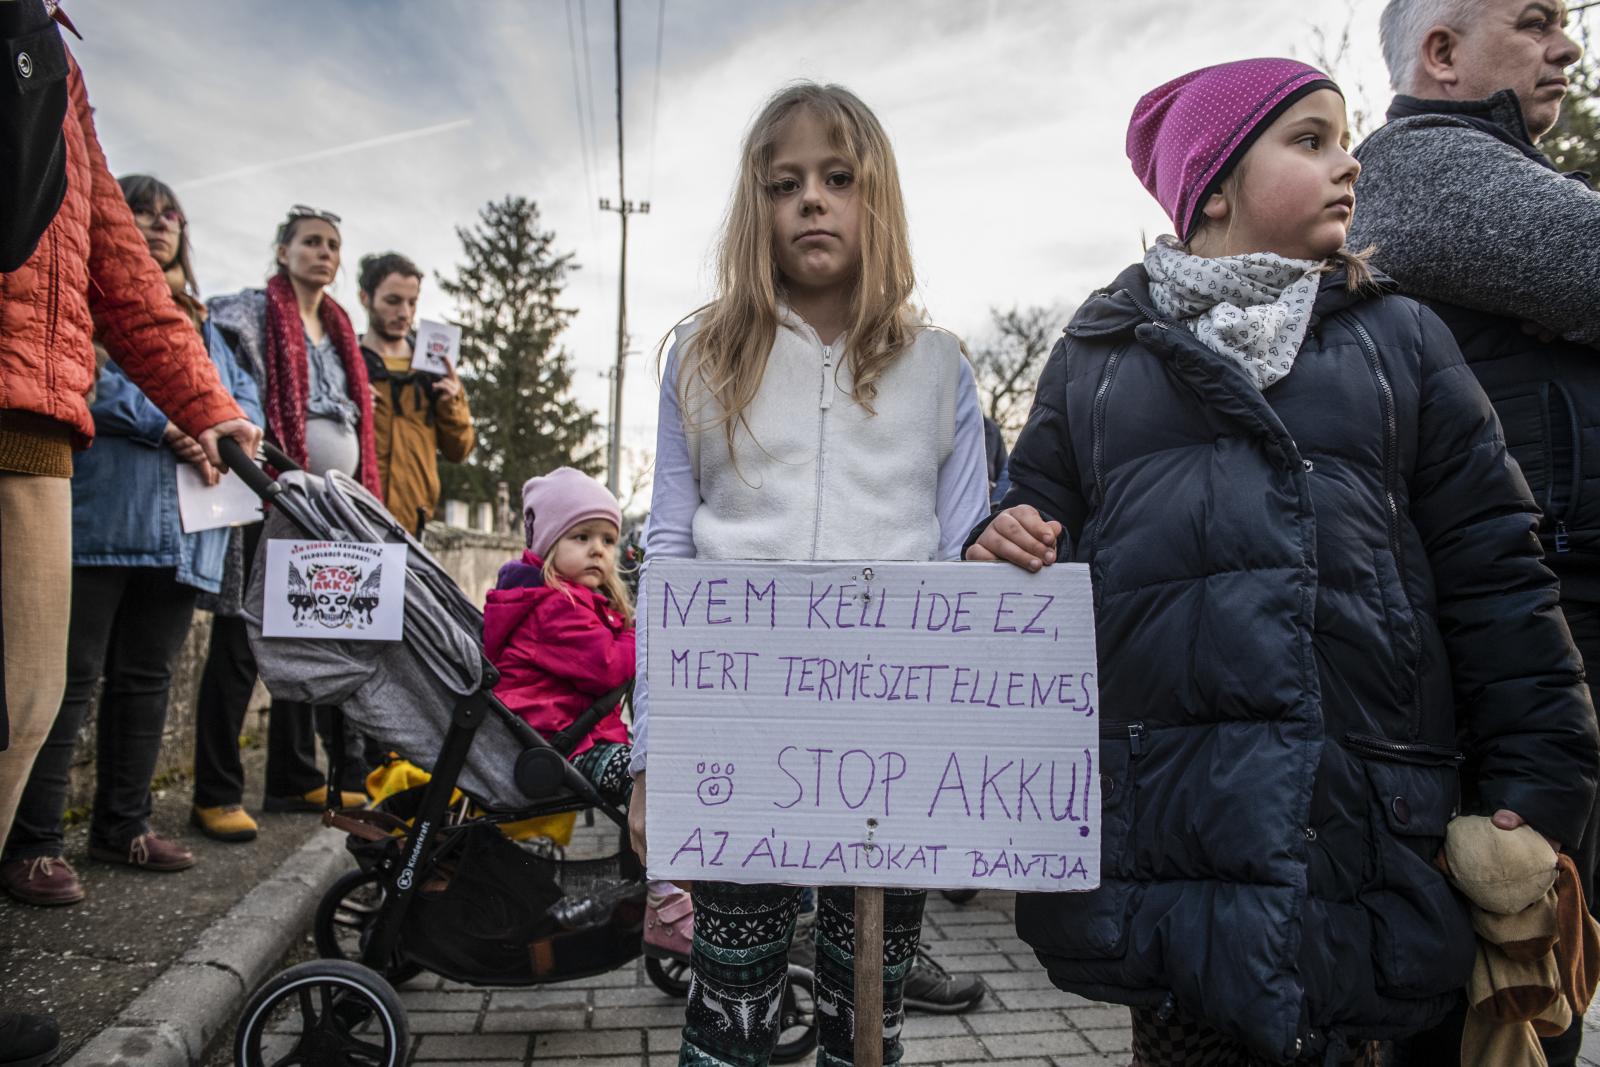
{"x":43,"y":881}
{"x":149,"y":851}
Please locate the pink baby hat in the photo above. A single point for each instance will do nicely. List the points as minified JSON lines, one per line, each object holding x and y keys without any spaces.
{"x":1186,"y":136}
{"x":560,"y":500}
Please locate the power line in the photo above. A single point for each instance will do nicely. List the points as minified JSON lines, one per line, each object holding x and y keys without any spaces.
{"x":588,"y":76}
{"x":655,"y":94}
{"x":577,"y":105}
{"x":623,"y":207}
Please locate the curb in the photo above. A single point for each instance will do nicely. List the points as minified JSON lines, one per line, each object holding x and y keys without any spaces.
{"x":173,"y":1021}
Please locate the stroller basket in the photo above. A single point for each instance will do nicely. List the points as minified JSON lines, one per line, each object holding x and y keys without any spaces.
{"x":494,"y":911}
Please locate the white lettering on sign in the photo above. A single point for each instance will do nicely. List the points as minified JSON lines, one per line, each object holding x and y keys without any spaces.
{"x":891,"y":724}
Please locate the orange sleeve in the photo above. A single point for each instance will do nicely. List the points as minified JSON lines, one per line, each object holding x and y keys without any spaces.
{"x":144,"y":331}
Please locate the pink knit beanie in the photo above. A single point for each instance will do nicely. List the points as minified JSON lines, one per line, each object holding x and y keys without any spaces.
{"x":560,"y":500}
{"x":1187,"y":135}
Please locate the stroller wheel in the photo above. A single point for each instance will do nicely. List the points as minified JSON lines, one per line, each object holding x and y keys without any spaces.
{"x":797,"y":1018}
{"x":959,"y":896}
{"x":344,"y":919}
{"x":671,"y":976}
{"x":325,"y":1013}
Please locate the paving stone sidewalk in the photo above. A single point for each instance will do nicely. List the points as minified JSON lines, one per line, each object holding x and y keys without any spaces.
{"x":621,"y":1020}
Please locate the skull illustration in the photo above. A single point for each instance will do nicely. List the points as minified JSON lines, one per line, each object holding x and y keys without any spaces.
{"x":333,"y":587}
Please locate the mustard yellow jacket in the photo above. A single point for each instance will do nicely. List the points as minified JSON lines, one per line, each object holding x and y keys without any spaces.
{"x":413,"y":428}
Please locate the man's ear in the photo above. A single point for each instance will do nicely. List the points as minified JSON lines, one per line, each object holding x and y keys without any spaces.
{"x":1439,"y":55}
{"x":366,"y":301}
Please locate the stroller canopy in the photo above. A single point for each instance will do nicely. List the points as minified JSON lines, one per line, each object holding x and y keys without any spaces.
{"x":400,"y":693}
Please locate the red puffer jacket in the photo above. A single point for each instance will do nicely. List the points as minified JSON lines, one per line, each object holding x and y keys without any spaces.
{"x":93,"y":265}
{"x":556,"y":653}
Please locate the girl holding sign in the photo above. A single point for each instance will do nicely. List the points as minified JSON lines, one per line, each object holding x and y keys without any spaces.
{"x":807,"y":414}
{"x":1318,"y":594}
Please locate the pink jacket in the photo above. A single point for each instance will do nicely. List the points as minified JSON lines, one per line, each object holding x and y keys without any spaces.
{"x":556,"y":654}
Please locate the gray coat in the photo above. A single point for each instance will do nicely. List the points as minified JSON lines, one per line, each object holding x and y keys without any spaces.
{"x":1472,"y":219}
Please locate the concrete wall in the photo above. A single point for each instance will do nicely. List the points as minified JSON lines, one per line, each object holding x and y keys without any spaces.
{"x":471,"y":557}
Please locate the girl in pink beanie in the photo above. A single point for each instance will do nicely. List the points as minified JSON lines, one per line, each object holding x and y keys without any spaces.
{"x":1318,"y":597}
{"x":558,"y":626}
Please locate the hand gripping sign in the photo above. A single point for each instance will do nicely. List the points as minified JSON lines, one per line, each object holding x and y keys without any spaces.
{"x":872,"y":724}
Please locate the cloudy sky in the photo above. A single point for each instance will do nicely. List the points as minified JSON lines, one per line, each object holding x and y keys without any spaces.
{"x":406,"y":116}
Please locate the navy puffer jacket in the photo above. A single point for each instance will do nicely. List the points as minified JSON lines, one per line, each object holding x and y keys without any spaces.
{"x":1320,"y":610}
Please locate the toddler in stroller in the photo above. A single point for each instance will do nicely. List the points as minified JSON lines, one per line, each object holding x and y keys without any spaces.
{"x":439,"y":886}
{"x":558,"y":626}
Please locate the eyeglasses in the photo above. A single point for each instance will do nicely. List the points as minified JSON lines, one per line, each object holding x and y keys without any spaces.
{"x":171,"y":216}
{"x":301,"y":211}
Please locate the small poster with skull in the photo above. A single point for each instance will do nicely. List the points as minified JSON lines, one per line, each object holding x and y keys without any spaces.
{"x":436,"y":348}
{"x":334,"y":590}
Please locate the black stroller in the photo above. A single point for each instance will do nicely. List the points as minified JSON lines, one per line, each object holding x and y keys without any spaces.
{"x":438,"y":886}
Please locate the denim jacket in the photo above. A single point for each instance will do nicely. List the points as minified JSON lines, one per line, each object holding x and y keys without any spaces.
{"x":125,"y":487}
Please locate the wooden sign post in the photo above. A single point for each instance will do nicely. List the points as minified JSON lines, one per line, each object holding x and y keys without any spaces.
{"x":869,"y":977}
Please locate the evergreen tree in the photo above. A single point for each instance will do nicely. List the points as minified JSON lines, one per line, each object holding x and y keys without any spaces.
{"x":507,"y":291}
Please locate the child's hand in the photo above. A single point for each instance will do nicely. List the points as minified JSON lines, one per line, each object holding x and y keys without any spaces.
{"x":1506,"y":819}
{"x":636,"y":818}
{"x":1018,"y":535}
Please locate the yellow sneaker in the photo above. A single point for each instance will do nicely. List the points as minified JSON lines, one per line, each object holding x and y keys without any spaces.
{"x":227,"y":822}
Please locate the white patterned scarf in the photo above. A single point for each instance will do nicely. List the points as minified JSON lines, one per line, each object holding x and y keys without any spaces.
{"x":1253,"y":309}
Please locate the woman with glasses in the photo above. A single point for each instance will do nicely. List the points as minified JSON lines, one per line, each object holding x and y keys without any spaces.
{"x":135,"y":579}
{"x":301,"y":348}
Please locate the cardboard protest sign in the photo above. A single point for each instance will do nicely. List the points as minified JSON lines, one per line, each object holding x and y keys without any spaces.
{"x":437,"y":346}
{"x":334,"y":590}
{"x":208,"y":507}
{"x":872,"y":724}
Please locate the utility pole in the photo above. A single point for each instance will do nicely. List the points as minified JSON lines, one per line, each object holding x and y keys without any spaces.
{"x":623,"y":207}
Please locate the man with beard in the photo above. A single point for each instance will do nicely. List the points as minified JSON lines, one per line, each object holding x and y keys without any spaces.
{"x":417,"y":416}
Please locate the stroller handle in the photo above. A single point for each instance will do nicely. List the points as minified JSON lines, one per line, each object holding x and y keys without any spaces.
{"x":277,"y":457}
{"x":234,"y":458}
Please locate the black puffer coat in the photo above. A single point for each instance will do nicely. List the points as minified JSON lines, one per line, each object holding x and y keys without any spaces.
{"x":1312,"y":604}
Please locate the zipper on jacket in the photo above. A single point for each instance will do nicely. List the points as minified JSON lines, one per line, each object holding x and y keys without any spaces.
{"x":1575,"y":481}
{"x":1134,"y":732}
{"x":1415,"y":752}
{"x":52,"y":311}
{"x":825,"y":401}
{"x":1097,"y":426}
{"x":1391,"y":448}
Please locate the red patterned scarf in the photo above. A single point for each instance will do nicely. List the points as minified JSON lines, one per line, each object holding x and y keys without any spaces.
{"x":289,"y":376}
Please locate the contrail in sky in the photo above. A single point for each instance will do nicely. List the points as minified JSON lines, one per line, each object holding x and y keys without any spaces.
{"x":325,"y":153}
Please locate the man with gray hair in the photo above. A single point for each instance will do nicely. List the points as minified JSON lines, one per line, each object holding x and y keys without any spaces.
{"x":1470,"y":217}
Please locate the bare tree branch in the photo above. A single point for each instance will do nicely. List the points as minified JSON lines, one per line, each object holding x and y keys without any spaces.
{"x":1007,"y":363}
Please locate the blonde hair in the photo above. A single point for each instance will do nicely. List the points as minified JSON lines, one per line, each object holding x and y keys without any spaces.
{"x":614,"y":589}
{"x":738,"y":327}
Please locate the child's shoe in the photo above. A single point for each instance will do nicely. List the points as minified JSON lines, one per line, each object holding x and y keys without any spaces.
{"x":668,"y":925}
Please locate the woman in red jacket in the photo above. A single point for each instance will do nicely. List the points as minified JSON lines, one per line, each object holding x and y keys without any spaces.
{"x":558,"y":626}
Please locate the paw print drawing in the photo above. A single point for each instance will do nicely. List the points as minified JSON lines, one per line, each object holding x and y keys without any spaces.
{"x":716,"y":783}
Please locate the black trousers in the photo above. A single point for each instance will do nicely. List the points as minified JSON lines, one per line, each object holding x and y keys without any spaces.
{"x":1441,"y":1046}
{"x":127,"y":625}
{"x":225,"y":687}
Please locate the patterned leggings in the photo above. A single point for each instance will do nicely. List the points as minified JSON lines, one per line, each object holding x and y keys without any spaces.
{"x":606,"y":767}
{"x":741,"y":950}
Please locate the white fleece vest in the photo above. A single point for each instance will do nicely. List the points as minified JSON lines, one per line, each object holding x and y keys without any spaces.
{"x":817,"y":475}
